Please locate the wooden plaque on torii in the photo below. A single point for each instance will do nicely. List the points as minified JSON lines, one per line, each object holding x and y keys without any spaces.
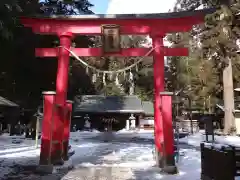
{"x":111,"y":38}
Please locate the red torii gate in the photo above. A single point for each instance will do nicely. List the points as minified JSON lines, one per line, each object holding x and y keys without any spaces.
{"x":155,"y":25}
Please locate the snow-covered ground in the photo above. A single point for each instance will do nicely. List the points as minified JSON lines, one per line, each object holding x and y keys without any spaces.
{"x":129,"y":155}
{"x":195,"y":139}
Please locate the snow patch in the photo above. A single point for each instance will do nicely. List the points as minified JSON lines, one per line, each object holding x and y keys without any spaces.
{"x":136,"y":156}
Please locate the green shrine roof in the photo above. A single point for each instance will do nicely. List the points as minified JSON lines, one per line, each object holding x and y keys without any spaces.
{"x":148,"y":108}
{"x":108,"y":104}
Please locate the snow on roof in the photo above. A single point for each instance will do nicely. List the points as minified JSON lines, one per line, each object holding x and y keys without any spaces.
{"x":236,"y":110}
{"x":108,"y":104}
{"x":148,"y":108}
{"x":6,"y":102}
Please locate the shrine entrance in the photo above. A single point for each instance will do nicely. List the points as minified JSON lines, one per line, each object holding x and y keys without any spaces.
{"x":57,"y":109}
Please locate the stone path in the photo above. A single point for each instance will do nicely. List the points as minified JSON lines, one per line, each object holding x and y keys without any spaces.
{"x":102,"y":162}
{"x":99,"y":173}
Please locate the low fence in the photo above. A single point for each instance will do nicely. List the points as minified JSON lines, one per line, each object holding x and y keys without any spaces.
{"x":219,"y":162}
{"x":187,"y":125}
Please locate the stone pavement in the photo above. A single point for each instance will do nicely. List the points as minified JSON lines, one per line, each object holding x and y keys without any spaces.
{"x":101,"y":164}
{"x":111,"y":160}
{"x":100,"y":173}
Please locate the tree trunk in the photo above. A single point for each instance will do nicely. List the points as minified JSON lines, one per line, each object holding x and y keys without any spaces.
{"x":228,"y":95}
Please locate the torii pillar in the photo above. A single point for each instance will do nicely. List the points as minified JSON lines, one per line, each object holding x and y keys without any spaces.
{"x":55,"y":147}
{"x":158,"y":71}
{"x":61,"y":105}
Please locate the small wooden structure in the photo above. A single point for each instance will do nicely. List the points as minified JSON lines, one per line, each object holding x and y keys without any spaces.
{"x":214,"y":159}
{"x":236,"y":114}
{"x":237,"y":121}
{"x":9,"y":113}
{"x":147,"y":120}
{"x":99,"y":108}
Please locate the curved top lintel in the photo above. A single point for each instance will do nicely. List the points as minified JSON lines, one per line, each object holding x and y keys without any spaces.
{"x":128,"y":16}
{"x":140,"y":24}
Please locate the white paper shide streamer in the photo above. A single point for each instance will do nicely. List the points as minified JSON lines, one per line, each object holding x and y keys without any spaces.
{"x":109,"y":74}
{"x":117,"y":80}
{"x":94,"y":77}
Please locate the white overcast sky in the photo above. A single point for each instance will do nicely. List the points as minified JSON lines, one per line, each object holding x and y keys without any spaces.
{"x":139,"y":6}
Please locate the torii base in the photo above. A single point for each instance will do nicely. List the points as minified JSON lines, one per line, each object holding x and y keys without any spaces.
{"x":52,"y":132}
{"x":66,"y":134}
{"x":169,"y":166}
{"x":45,"y":169}
{"x":158,"y":158}
{"x":165,"y":163}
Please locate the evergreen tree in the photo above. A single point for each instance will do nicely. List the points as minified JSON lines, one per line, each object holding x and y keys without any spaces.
{"x":22,"y":76}
{"x":218,"y":52}
{"x":65,"y":7}
{"x":219,"y":41}
{"x":194,"y":75}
